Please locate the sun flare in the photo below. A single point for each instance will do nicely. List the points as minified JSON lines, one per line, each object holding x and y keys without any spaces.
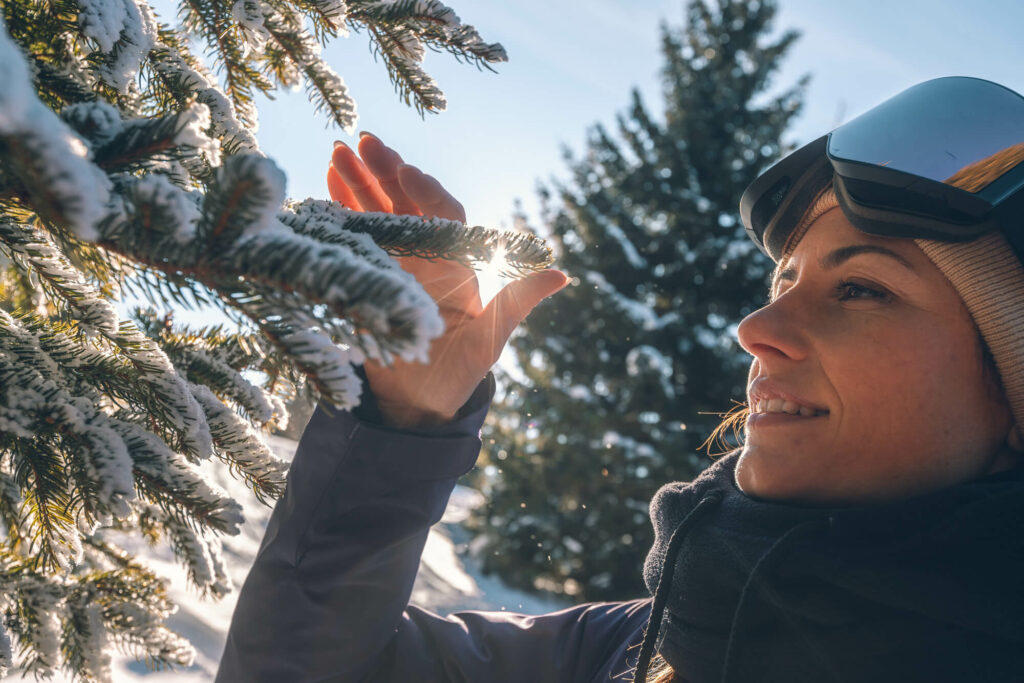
{"x":490,"y":279}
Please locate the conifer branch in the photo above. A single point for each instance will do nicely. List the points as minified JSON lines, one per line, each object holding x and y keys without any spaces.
{"x":434,"y":238}
{"x":10,"y":499}
{"x":169,"y":481}
{"x":242,"y":448}
{"x":186,"y":78}
{"x":84,"y":642}
{"x":435,"y":23}
{"x":326,"y":89}
{"x":175,"y":404}
{"x":328,"y":17}
{"x":102,"y":420}
{"x":200,"y":554}
{"x":34,"y":617}
{"x":40,"y":473}
{"x":241,"y":79}
{"x":134,"y":604}
{"x":402,"y":52}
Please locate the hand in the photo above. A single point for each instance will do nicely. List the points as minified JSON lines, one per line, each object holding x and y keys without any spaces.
{"x":417,"y":394}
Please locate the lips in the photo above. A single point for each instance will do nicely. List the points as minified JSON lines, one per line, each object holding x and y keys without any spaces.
{"x":770,"y":397}
{"x":779,"y":405}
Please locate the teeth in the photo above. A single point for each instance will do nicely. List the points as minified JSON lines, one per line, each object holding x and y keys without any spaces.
{"x":778,"y":405}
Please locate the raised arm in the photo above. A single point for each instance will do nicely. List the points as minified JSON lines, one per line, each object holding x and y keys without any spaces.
{"x":327,"y":597}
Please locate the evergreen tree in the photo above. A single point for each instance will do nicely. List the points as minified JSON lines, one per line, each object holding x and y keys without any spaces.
{"x":125,"y":167}
{"x":623,"y":374}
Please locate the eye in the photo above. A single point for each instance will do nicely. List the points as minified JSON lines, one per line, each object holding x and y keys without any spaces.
{"x":852,"y":291}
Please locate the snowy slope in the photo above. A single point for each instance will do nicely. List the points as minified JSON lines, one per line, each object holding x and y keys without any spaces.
{"x":446,"y":582}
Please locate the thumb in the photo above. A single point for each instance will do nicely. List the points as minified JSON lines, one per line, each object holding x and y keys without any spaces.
{"x":514,"y":302}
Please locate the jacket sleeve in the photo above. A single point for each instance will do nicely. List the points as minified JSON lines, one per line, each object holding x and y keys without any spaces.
{"x":326,"y":599}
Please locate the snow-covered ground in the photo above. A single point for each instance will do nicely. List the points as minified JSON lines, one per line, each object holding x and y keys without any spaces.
{"x":446,"y":581}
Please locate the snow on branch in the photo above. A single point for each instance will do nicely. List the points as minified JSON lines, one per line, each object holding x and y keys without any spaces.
{"x":193,"y":81}
{"x":402,"y":52}
{"x":205,"y":366}
{"x":435,"y":238}
{"x":114,"y":456}
{"x":386,"y":302}
{"x":435,"y":23}
{"x":638,"y":313}
{"x":400,"y":28}
{"x":243,"y":200}
{"x":85,"y":639}
{"x":166,"y":478}
{"x":96,"y":314}
{"x":328,"y":364}
{"x":242,"y":77}
{"x":201,"y":554}
{"x":133,"y":605}
{"x":137,"y":143}
{"x":125,"y":34}
{"x":37,"y":605}
{"x":242,"y":447}
{"x":43,"y":154}
{"x":326,"y":89}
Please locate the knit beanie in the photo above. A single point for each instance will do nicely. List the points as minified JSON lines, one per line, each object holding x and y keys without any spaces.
{"x":989,"y":278}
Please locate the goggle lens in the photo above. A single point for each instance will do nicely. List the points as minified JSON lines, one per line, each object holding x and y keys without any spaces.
{"x":963,"y":132}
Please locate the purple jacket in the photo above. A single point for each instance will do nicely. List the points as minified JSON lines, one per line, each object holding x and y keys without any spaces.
{"x":327,"y":597}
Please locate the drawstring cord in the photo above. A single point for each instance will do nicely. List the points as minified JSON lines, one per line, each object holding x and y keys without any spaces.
{"x":762,"y":565}
{"x":661,"y":593}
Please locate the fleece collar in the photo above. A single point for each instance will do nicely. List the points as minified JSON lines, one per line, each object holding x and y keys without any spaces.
{"x":930,"y":588}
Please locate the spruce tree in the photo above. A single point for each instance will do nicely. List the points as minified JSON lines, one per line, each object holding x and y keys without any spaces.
{"x":623,"y":375}
{"x":125,"y":167}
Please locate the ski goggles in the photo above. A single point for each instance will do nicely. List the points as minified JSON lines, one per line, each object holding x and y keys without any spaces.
{"x":942,"y":160}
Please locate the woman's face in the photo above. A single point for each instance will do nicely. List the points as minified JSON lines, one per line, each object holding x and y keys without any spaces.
{"x":879,"y":357}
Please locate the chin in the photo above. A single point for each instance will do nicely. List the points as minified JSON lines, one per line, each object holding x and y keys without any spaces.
{"x":768,"y":477}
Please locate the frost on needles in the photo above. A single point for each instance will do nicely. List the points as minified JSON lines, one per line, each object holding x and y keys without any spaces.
{"x":126,"y":166}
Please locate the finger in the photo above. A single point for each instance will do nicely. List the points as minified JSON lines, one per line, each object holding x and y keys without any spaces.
{"x":514,"y":302}
{"x":383,"y":162}
{"x":340,"y":192}
{"x":429,"y":194}
{"x":359,"y":179}
{"x":451,"y":284}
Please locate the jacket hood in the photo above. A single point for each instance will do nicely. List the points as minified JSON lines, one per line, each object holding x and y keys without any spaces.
{"x":928,"y":588}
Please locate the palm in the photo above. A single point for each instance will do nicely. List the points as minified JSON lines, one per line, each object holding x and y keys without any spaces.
{"x":419,"y":393}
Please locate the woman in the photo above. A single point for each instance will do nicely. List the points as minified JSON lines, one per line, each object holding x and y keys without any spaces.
{"x":869,"y":529}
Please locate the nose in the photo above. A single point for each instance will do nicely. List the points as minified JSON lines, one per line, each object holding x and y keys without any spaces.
{"x":773,"y":332}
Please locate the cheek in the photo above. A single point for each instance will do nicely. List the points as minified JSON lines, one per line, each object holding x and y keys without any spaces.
{"x":887,"y":384}
{"x":912,"y":392}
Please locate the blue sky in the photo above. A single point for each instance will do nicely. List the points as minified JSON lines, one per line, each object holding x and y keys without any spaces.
{"x":573,"y":63}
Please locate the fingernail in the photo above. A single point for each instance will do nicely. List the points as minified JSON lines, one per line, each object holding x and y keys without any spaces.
{"x":339,"y":143}
{"x":363,"y":133}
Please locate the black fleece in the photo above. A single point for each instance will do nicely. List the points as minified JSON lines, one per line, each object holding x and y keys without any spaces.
{"x":926,"y":589}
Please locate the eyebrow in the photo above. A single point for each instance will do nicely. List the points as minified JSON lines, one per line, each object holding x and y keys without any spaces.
{"x":839,"y":256}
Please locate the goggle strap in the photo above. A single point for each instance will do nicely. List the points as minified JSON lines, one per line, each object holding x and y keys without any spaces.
{"x":804,"y":190}
{"x":889,"y":223}
{"x":1010,"y":217}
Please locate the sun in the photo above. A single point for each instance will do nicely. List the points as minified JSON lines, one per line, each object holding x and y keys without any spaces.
{"x":490,"y":278}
